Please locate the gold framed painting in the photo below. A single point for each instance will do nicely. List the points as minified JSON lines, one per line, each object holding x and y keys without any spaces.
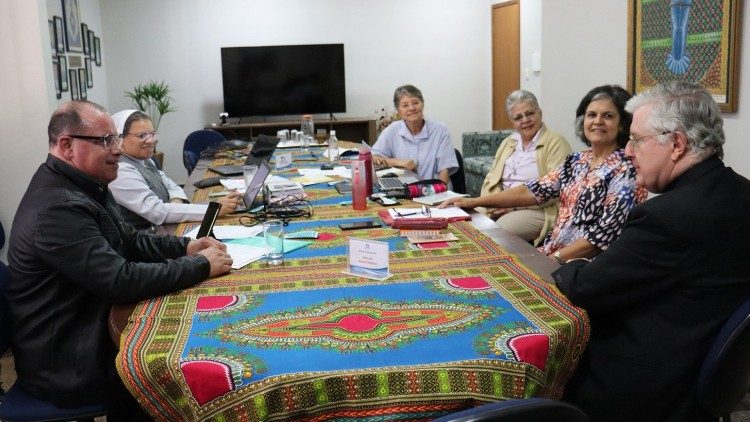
{"x":692,"y":40}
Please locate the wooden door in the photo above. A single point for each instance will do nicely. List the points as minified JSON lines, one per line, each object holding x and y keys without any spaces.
{"x":506,"y":59}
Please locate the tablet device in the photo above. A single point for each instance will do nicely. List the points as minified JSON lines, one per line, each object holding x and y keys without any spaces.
{"x":256,"y":184}
{"x":262,"y":150}
{"x":209,"y":219}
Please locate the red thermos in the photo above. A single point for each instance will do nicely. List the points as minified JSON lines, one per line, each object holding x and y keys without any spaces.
{"x":366,"y":156}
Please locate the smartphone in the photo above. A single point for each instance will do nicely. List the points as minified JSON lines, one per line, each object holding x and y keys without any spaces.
{"x":326,"y":166}
{"x":307,"y":234}
{"x":209,"y":219}
{"x":359,"y":225}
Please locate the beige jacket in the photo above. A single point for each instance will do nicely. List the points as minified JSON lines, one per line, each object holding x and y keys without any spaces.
{"x":551,"y":150}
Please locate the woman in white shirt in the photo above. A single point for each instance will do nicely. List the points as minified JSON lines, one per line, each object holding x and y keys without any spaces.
{"x":147,"y":197}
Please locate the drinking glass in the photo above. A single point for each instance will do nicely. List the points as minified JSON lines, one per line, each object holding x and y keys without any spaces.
{"x":273,"y":232}
{"x":305,"y":139}
{"x":249,"y":172}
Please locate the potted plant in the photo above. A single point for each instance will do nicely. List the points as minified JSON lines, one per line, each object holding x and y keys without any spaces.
{"x":153,"y":99}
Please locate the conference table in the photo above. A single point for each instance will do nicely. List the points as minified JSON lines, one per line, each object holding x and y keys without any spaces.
{"x":458,"y":324}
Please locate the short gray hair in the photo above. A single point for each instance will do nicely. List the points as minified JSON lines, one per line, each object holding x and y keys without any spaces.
{"x":67,"y":119}
{"x":685,"y":107}
{"x":520,"y":96}
{"x":409,"y":90}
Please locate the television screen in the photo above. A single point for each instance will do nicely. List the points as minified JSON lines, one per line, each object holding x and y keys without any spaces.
{"x":285,"y":79}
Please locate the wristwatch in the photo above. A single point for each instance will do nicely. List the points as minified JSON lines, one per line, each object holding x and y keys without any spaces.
{"x":558,"y":258}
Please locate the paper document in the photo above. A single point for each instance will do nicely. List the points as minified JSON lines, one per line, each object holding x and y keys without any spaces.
{"x":438,"y":198}
{"x":235,"y":183}
{"x":245,"y":254}
{"x":341,"y":171}
{"x":392,"y":170}
{"x":312,"y":179}
{"x":229,"y":232}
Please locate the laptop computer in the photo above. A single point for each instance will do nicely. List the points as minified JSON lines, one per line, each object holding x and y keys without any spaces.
{"x":251,"y":193}
{"x":262,"y":150}
{"x":395,"y":186}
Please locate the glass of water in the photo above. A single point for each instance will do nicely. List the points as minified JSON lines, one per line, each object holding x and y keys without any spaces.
{"x":273,"y":232}
{"x":249,"y":172}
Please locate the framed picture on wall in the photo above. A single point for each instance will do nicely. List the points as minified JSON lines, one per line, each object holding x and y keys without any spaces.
{"x":72,"y":19}
{"x":59,"y":35}
{"x":90,"y":42}
{"x":84,"y":38}
{"x":97,"y":51}
{"x":82,"y":83}
{"x":56,"y":76}
{"x":75,"y":93}
{"x":75,"y":60}
{"x":63,"y":72}
{"x":52,"y":34}
{"x":694,"y":41}
{"x":89,"y":76}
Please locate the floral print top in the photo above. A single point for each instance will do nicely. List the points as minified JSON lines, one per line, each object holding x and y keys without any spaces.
{"x":593,"y":204}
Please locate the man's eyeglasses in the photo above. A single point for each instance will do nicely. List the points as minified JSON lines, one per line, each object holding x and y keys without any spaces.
{"x":107,"y":141}
{"x":637,"y":141}
{"x":145,"y":135}
{"x":425,"y":211}
{"x":528,"y":115}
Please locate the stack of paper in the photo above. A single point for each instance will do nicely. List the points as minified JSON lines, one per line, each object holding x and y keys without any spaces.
{"x":438,"y":198}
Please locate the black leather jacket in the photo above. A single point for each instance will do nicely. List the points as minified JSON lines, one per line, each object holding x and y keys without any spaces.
{"x":71,"y":257}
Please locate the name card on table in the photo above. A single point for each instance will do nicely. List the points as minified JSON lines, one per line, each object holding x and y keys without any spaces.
{"x":368,"y":258}
{"x":283,"y":160}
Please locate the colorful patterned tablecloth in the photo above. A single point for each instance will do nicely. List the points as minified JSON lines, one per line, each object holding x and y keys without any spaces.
{"x":455,"y":326}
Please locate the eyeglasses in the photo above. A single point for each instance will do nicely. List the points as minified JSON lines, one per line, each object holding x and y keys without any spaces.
{"x":528,"y":115}
{"x":145,"y":135}
{"x":107,"y":141}
{"x":637,"y":141}
{"x":424,"y":211}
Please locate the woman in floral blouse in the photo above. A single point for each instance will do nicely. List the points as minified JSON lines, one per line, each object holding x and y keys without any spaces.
{"x":596,"y":187}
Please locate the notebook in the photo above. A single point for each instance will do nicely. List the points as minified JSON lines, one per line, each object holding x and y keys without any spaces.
{"x":262,"y":150}
{"x":251,"y":193}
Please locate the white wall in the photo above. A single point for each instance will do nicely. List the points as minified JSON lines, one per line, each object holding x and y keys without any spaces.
{"x":24,"y":109}
{"x":585,"y":45}
{"x":441,"y":46}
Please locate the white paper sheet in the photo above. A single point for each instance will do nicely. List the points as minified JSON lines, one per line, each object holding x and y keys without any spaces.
{"x":229,"y":232}
{"x":245,"y":254}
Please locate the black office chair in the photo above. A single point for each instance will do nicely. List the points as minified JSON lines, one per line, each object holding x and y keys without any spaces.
{"x":521,"y":410}
{"x":17,"y":405}
{"x":195,"y":143}
{"x":458,"y":179}
{"x":725,"y":374}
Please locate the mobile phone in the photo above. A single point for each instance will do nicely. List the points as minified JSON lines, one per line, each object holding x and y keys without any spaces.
{"x":307,"y":234}
{"x":359,"y":225}
{"x":326,"y":166}
{"x":209,"y":219}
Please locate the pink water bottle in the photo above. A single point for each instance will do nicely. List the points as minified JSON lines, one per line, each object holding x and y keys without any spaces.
{"x":366,"y":156}
{"x":359,"y":188}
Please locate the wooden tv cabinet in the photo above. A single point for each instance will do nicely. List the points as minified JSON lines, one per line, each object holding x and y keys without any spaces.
{"x":353,"y":129}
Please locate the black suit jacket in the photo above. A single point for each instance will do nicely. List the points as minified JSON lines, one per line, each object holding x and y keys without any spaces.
{"x":658,"y":296}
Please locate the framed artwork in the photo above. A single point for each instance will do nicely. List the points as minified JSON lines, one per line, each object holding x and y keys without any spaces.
{"x":75,"y":93}
{"x":89,"y":76}
{"x":98,"y":52}
{"x":695,"y":41}
{"x":82,"y":83}
{"x":84,"y":38}
{"x":56,"y":76}
{"x":72,"y":19}
{"x":74,"y":60}
{"x":52,"y":34}
{"x":63,"y":72}
{"x":59,"y":34}
{"x":90,"y":42}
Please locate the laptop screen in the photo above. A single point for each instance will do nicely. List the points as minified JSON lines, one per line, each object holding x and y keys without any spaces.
{"x":256,"y":184}
{"x":262,"y":150}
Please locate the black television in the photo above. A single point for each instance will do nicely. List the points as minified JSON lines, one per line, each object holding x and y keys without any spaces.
{"x":283,"y":79}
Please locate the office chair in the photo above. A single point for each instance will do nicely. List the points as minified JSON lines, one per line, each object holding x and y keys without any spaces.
{"x":521,"y":410}
{"x":197,"y":142}
{"x":458,"y":179}
{"x":725,"y":373}
{"x":19,"y":406}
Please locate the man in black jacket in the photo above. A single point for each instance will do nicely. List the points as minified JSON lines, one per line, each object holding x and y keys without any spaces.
{"x":72,"y":257}
{"x":659,"y":294}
